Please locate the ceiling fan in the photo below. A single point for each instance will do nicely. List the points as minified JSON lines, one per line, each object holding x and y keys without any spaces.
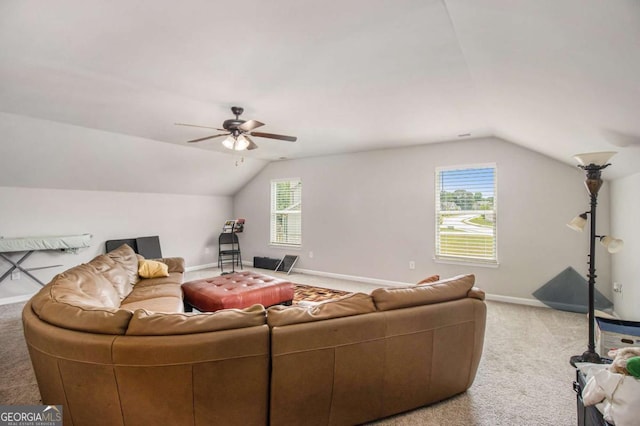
{"x":237,"y":132}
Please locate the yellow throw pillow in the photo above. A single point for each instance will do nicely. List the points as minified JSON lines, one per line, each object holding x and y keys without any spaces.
{"x":152,"y":269}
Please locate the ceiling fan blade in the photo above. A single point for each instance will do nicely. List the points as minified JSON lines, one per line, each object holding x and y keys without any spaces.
{"x":248,"y":126}
{"x":195,"y":125}
{"x":252,"y":144}
{"x":274,"y":136}
{"x":208,"y":137}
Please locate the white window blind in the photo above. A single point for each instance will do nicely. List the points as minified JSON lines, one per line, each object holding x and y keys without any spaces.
{"x":286,"y":212}
{"x":466,"y":200}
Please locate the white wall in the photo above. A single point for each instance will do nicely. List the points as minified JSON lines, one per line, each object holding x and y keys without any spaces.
{"x":186,"y":224}
{"x":369,"y":214}
{"x":45,"y":154}
{"x":625,"y":211}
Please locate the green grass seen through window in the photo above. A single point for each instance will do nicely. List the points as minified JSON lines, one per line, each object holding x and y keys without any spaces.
{"x":466,"y":245}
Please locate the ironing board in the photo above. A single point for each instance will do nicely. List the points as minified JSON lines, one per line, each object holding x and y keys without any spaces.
{"x":65,"y":243}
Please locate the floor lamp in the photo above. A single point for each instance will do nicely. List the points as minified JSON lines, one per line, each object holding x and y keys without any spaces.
{"x":592,"y":164}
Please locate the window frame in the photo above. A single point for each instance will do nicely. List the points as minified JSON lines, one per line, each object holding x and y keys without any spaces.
{"x":273,"y":213}
{"x":465,"y":259}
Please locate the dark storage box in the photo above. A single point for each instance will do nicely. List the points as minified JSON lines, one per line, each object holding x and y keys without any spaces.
{"x":265,"y":263}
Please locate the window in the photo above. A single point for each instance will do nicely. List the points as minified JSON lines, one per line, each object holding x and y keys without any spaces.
{"x":466,"y":214}
{"x":286,"y":212}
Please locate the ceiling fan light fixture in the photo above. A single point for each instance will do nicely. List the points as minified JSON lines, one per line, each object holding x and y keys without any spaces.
{"x":229,"y":142}
{"x":236,"y":143}
{"x":237,"y":132}
{"x":241,"y":143}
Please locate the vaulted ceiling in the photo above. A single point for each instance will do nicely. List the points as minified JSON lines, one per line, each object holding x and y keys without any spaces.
{"x":557,"y":76}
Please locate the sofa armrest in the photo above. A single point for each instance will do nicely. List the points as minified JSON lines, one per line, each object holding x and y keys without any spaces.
{"x":476,"y":293}
{"x":175,"y":264}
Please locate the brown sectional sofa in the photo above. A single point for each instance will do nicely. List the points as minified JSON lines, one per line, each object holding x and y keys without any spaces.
{"x":127,"y":354}
{"x":371,"y":356}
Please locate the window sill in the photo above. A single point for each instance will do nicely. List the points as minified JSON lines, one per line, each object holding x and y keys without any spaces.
{"x":286,"y":246}
{"x":467,"y":263}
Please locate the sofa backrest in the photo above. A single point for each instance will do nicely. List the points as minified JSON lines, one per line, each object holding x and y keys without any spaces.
{"x":82,"y":299}
{"x":353,"y":304}
{"x":389,"y":298}
{"x":128,"y":259}
{"x":114,"y":272}
{"x":87,"y":297}
{"x":144,"y":323}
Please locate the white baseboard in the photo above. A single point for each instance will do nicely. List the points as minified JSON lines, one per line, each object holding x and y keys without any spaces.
{"x":516,"y":300}
{"x":15,"y":299}
{"x":386,"y":283}
{"x":345,"y":277}
{"x":198,"y":267}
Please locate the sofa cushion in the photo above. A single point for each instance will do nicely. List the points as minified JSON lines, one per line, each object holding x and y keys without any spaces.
{"x":81,"y":299}
{"x":353,"y":304}
{"x":145,"y":323}
{"x":127,"y":258}
{"x":428,"y":280}
{"x":91,"y":319}
{"x":174,"y":264}
{"x":152,"y":269}
{"x":476,"y":293}
{"x":102,"y":263}
{"x":167,"y":304}
{"x":84,"y":286}
{"x":114,"y":272}
{"x":151,"y":291}
{"x":174,"y":278}
{"x":440,"y":291}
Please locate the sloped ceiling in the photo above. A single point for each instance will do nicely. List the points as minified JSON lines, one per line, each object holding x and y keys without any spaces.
{"x":556,"y":76}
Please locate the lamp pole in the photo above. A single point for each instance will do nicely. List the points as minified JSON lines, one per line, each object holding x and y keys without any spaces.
{"x":593,"y":184}
{"x":591,"y":355}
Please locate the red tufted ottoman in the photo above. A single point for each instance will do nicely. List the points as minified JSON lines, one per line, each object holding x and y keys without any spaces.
{"x":238,"y":290}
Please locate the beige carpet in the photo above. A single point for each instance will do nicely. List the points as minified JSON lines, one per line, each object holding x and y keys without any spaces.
{"x":524,"y":376}
{"x":17,"y":381}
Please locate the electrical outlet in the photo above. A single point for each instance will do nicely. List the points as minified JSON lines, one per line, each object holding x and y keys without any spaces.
{"x":617,"y":287}
{"x":207,"y":250}
{"x":310,"y":255}
{"x":412,"y":264}
{"x":15,"y":275}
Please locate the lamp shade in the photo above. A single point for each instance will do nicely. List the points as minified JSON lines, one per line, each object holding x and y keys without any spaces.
{"x":597,"y":158}
{"x":613,"y":245}
{"x":578,"y":222}
{"x":229,"y":142}
{"x":239,"y":143}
